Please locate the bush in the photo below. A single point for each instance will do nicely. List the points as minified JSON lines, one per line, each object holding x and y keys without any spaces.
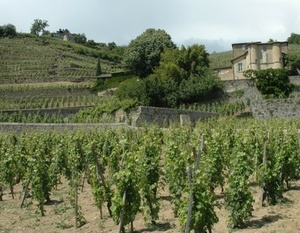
{"x":274,"y":83}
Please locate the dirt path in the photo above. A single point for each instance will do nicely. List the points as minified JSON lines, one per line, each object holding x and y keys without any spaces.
{"x":284,"y":217}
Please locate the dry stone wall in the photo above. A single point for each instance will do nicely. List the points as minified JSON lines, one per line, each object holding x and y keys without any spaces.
{"x":164,"y":117}
{"x":278,"y":108}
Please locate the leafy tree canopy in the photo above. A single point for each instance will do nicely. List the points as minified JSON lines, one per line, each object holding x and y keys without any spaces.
{"x":8,"y":30}
{"x":143,"y":54}
{"x":183,"y":76}
{"x":293,"y":62}
{"x":272,"y":83}
{"x":38,"y":26}
{"x":294,"y":38}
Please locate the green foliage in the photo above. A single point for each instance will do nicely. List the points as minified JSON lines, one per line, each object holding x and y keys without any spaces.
{"x":117,"y":80}
{"x":294,"y":38}
{"x":221,"y":59}
{"x":132,"y":89}
{"x":143,"y":54}
{"x":181,"y":77}
{"x":98,"y":68}
{"x":293,"y":62}
{"x":8,"y":30}
{"x":38,"y":26}
{"x":203,"y":214}
{"x":198,"y":88}
{"x":223,"y":108}
{"x":274,"y":83}
{"x":142,"y":161}
{"x":80,"y":38}
{"x":238,"y":195}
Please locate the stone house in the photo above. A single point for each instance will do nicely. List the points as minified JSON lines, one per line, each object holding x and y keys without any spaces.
{"x":257,"y":56}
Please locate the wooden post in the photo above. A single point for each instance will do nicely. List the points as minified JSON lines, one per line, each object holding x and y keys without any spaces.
{"x":191,"y":175}
{"x":25,"y":193}
{"x":12,"y":191}
{"x":76,"y":202}
{"x":101,"y":181}
{"x":1,"y":192}
{"x":121,"y":219}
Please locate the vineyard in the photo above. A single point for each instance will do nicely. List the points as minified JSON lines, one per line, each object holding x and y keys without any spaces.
{"x":131,"y":175}
{"x":218,"y":176}
{"x":28,"y":60}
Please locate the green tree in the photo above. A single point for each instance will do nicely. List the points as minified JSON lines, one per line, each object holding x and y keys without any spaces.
{"x":143,"y":54}
{"x":183,"y":76}
{"x":98,"y":68}
{"x":293,"y":62}
{"x":200,"y":87}
{"x":38,"y":26}
{"x":8,"y":30}
{"x":80,"y":38}
{"x":274,"y":83}
{"x":193,"y":59}
{"x":294,"y":38}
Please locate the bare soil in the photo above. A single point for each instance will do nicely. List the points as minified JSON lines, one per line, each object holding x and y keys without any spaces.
{"x":284,"y":217}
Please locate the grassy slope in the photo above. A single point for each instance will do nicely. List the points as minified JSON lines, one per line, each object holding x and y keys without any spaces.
{"x":47,"y":59}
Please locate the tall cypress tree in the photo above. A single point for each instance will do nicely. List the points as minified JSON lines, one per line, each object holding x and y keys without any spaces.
{"x":98,"y":69}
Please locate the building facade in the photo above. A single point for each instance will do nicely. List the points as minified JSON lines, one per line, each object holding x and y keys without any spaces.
{"x":257,"y":56}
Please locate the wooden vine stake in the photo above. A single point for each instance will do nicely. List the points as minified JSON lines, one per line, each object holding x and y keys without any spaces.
{"x":12,"y":191}
{"x":299,"y":138}
{"x":101,"y":181}
{"x":24,"y":193}
{"x":76,"y":202}
{"x":263,"y":190}
{"x":191,"y":174}
{"x":121,"y":219}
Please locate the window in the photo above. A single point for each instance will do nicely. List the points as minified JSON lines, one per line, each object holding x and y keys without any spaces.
{"x":240,"y":67}
{"x":264,"y":48}
{"x":265,"y":58}
{"x":244,"y":47}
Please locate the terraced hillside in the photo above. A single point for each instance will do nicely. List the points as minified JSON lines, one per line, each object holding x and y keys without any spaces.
{"x":27,"y":60}
{"x":221,"y":59}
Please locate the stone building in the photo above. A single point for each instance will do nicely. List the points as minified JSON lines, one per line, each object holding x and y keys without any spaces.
{"x":257,"y":56}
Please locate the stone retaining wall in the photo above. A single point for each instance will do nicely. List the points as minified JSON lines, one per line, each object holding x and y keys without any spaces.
{"x":164,"y":117}
{"x":279,"y":108}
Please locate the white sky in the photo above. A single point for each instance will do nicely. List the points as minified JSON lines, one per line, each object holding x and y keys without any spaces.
{"x":215,"y":23}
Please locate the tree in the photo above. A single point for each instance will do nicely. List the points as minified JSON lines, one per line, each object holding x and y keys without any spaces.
{"x":98,"y":68}
{"x":80,"y":38}
{"x":274,"y":83}
{"x":143,"y":54}
{"x":294,"y":38}
{"x":111,"y":45}
{"x":183,"y":76}
{"x":8,"y":30}
{"x":193,"y":59}
{"x":293,"y":62}
{"x":38,"y":26}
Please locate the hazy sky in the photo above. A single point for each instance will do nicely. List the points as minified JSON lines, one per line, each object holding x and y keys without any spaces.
{"x":215,"y":23}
